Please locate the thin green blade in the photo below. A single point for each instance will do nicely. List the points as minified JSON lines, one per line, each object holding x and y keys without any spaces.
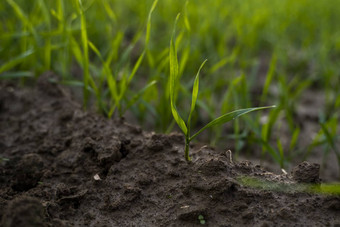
{"x":15,"y":75}
{"x":328,"y":136}
{"x":107,"y":71}
{"x":228,"y":117}
{"x":20,"y":13}
{"x":95,"y":50}
{"x":136,"y":67}
{"x":148,"y":26}
{"x":195,"y":92}
{"x":173,"y":77}
{"x":139,"y":94}
{"x":15,"y":61}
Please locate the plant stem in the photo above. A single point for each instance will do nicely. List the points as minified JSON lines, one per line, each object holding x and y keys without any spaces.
{"x":186,"y":149}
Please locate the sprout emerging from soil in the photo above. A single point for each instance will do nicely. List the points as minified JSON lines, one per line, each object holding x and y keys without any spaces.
{"x":201,"y":219}
{"x":185,"y":126}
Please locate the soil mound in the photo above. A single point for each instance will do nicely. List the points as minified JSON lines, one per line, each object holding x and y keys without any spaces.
{"x":61,"y":166}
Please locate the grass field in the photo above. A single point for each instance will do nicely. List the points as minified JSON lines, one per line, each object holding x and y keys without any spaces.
{"x":259,"y":53}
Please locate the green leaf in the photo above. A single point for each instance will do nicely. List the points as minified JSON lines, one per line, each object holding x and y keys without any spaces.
{"x":281,"y":152}
{"x":95,"y":50}
{"x":74,"y":83}
{"x":15,"y":61}
{"x":20,"y":13}
{"x":294,"y":139}
{"x":109,"y":11}
{"x":76,"y":50}
{"x":113,"y":52}
{"x":195,"y":93}
{"x":85,"y":54}
{"x":139,"y":95}
{"x":228,"y":95}
{"x":136,"y":66}
{"x":328,"y":136}
{"x":13,"y":75}
{"x":228,"y":117}
{"x":148,"y":25}
{"x":107,"y":71}
{"x":186,"y":20}
{"x":173,"y":78}
{"x":48,"y":45}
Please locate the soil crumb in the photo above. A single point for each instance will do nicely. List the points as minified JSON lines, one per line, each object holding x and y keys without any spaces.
{"x":62,"y":166}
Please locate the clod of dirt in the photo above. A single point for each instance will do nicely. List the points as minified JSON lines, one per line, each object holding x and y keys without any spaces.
{"x":28,"y":172}
{"x":158,"y":143}
{"x":306,"y":172}
{"x":211,"y":166}
{"x":24,"y":212}
{"x":106,"y":150}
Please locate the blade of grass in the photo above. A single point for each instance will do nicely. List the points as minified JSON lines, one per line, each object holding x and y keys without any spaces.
{"x":13,"y":75}
{"x":186,"y":20}
{"x":173,"y":79}
{"x":281,"y":152}
{"x":19,"y":12}
{"x":228,"y":117}
{"x":109,"y":11}
{"x":148,"y":25}
{"x":139,"y":95}
{"x":110,"y":79}
{"x":113,"y":54}
{"x":294,"y":138}
{"x":330,"y":141}
{"x":194,"y":94}
{"x":136,"y":67}
{"x":15,"y":61}
{"x":85,"y":55}
{"x":48,"y":44}
{"x":193,"y":104}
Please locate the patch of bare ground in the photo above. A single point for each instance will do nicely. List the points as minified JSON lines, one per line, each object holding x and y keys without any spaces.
{"x":67,"y":167}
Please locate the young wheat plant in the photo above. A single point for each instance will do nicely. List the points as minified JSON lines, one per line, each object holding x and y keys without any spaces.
{"x":186,"y":126}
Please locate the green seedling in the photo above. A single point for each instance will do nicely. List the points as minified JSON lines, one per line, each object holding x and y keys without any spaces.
{"x":185,"y":127}
{"x":118,"y":87}
{"x":85,"y":54}
{"x":329,"y":130}
{"x":201,"y":219}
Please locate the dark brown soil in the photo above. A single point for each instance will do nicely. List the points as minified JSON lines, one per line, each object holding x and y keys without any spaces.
{"x":61,"y":166}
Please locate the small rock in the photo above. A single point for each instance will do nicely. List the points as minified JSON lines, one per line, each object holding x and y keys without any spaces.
{"x":96,"y":177}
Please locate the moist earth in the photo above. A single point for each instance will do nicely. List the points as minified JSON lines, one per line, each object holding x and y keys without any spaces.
{"x":62,"y":166}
